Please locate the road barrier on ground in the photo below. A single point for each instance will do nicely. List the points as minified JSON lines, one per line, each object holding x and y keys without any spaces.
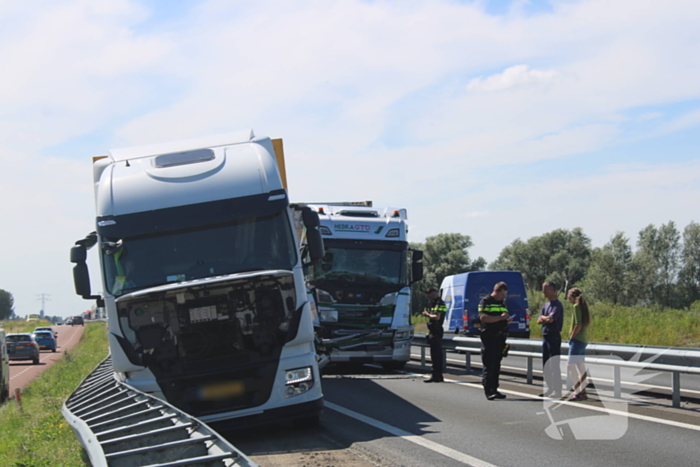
{"x":121,"y":426}
{"x":673,"y":360}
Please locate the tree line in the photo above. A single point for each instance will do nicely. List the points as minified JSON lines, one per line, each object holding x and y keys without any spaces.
{"x":7,"y":305}
{"x":663,"y":270}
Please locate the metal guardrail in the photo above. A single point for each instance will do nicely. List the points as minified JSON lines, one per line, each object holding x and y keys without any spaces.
{"x":674,"y":360}
{"x":120,"y":426}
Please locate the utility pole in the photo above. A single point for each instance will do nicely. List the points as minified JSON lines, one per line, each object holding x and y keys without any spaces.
{"x":44,"y":297}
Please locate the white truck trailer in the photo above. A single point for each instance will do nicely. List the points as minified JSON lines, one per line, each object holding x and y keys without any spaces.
{"x":202,"y":271}
{"x":362,"y":284}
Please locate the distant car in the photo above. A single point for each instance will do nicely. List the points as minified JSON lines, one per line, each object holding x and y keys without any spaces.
{"x":22,"y":347}
{"x":45,"y":340}
{"x":78,"y":320}
{"x":47,"y":328}
{"x":68,"y":321}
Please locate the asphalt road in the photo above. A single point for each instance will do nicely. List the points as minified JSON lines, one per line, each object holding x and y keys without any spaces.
{"x":654,"y":382}
{"x":23,"y":371}
{"x":389,"y":419}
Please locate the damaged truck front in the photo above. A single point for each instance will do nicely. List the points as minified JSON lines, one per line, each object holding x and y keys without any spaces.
{"x":362,"y":285}
{"x":202,"y":275}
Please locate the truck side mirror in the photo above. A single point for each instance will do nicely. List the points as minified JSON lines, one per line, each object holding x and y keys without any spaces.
{"x":310,"y":218}
{"x":81,"y":279}
{"x":416,"y":272}
{"x":416,"y":266}
{"x":315,"y":244}
{"x":417,"y":255}
{"x":78,"y":254}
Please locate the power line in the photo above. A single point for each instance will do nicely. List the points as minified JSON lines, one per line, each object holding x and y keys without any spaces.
{"x":44,"y":297}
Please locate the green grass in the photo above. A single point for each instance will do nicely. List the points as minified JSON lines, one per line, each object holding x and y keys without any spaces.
{"x":38,"y":435}
{"x":620,"y":325}
{"x":630,"y":325}
{"x":24,"y":326}
{"x":420,"y":322}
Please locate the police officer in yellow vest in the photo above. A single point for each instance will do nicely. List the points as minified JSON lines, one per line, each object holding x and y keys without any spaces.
{"x":494,"y":318}
{"x":436,"y":314}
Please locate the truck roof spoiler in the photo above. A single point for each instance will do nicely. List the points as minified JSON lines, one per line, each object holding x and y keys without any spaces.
{"x":223,"y":139}
{"x":367,"y":204}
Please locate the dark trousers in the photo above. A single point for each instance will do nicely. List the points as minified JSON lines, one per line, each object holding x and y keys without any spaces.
{"x":551,"y":347}
{"x":491,"y":354}
{"x":436,"y":353}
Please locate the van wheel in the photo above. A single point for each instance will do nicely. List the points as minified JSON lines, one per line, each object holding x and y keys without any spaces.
{"x":53,"y":350}
{"x":35,"y":361}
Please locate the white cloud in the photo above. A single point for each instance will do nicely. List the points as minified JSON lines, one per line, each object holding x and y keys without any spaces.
{"x":370,"y":98}
{"x":688,"y":120}
{"x":515,"y":76}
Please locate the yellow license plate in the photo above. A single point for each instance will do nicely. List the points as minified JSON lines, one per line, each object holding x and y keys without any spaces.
{"x":222,"y":390}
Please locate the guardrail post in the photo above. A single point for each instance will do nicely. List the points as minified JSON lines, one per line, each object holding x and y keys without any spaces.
{"x":422,"y":356}
{"x":529,"y":370}
{"x":617,"y":390}
{"x":468,"y":362}
{"x":676,"y":386}
{"x":18,"y":398}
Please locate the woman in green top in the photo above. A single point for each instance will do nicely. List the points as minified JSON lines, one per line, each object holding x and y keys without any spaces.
{"x":578,"y":339}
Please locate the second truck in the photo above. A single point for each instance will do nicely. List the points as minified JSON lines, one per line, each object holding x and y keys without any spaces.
{"x":362,"y":285}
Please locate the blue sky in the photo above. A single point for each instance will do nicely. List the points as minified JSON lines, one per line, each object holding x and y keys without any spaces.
{"x":495,"y":119}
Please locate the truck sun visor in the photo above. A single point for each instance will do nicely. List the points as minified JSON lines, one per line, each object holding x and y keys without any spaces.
{"x":212,"y":212}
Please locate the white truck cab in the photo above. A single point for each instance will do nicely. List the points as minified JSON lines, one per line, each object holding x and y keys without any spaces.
{"x":362,"y":284}
{"x":202,"y":278}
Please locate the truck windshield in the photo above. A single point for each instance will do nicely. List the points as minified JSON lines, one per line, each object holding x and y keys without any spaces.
{"x":249,"y":244}
{"x":362,"y":262}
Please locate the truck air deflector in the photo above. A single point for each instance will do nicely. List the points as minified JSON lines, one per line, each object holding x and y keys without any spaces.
{"x":180,"y":217}
{"x":212,"y":141}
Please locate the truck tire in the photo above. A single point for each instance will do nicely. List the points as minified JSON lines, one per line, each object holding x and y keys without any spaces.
{"x":393,"y":366}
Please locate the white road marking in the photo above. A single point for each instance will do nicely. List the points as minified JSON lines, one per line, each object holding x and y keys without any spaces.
{"x":645,"y":418}
{"x":419,"y":440}
{"x":539,"y":372}
{"x":14,"y":376}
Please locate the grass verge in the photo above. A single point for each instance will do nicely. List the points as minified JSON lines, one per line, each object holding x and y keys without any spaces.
{"x":619,"y":324}
{"x":26,"y":326}
{"x":37,"y":435}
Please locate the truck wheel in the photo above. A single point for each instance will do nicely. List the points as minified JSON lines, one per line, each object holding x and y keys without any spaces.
{"x":389,"y":366}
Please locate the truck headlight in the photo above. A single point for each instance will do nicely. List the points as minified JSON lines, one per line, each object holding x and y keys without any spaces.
{"x":298,"y":381}
{"x":403,"y":335}
{"x":329,"y":316}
